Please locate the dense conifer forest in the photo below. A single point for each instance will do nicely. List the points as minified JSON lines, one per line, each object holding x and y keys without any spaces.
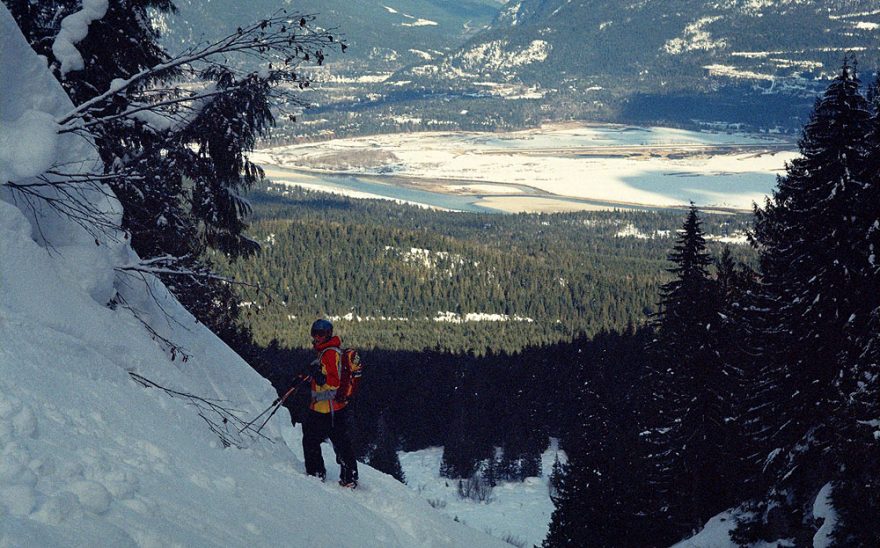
{"x":546,"y":278}
{"x":753,"y":392}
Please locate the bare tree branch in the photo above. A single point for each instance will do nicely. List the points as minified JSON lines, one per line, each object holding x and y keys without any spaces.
{"x":72,"y":198}
{"x":221,"y":420}
{"x":281,"y":37}
{"x":167,"y":265}
{"x":168,"y":345}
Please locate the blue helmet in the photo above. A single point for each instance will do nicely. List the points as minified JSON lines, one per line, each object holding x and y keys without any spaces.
{"x":322,"y":328}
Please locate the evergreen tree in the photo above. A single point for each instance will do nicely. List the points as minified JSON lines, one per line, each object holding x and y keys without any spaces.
{"x":810,"y":316}
{"x":555,"y":479}
{"x":462,"y":450}
{"x":383,"y":453}
{"x":567,"y":526}
{"x":735,"y":284}
{"x":525,"y":433}
{"x":856,"y":493}
{"x":119,"y":44}
{"x":600,"y":494}
{"x":682,"y":313}
{"x":691,"y":441}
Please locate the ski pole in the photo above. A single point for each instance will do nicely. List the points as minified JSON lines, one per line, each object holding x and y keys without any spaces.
{"x":292,"y":390}
{"x":255,"y":419}
{"x":275,"y":404}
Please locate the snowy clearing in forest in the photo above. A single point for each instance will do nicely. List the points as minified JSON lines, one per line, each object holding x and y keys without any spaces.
{"x":515,"y":511}
{"x":556,"y":168}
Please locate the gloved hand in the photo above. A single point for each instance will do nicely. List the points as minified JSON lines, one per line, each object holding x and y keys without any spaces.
{"x":319,"y":377}
{"x":316,"y":374}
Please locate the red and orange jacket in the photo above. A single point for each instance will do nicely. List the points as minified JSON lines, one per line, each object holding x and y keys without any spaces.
{"x":323,"y":395}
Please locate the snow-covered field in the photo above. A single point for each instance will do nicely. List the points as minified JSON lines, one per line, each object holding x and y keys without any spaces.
{"x":557,"y":168}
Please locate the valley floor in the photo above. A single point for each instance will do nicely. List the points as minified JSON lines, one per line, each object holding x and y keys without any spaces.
{"x":552,"y":169}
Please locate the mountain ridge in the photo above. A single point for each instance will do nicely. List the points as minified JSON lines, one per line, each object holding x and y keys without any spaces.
{"x":380,"y":35}
{"x":604,"y":53}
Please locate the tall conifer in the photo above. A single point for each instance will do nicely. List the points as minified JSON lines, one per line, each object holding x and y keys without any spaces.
{"x":809,"y":236}
{"x":856,"y":494}
{"x":690,"y":434}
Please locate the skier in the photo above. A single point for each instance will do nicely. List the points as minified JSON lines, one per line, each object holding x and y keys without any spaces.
{"x":327,"y":415}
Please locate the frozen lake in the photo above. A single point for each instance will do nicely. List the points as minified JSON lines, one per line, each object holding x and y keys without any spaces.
{"x":555,"y":168}
{"x":474,"y":202}
{"x":360,"y":187}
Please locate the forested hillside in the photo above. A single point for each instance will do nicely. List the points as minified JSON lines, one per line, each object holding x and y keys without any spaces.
{"x":404,"y":278}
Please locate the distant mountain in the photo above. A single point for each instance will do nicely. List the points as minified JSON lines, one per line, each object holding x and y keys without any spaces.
{"x":381,"y":34}
{"x":643,"y":58}
{"x":483,"y":64}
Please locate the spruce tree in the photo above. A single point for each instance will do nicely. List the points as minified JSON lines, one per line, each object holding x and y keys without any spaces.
{"x":555,"y":477}
{"x":567,"y":524}
{"x":462,"y":449}
{"x":690,"y":433}
{"x":809,"y":313}
{"x":383,"y":452}
{"x":525,"y":433}
{"x":856,"y":493}
{"x":600,"y":494}
{"x":735,"y":284}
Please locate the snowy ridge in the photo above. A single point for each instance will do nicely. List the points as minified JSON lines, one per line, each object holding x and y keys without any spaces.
{"x":89,"y":457}
{"x":567,"y":46}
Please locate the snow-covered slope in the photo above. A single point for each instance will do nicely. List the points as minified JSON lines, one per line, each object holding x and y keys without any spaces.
{"x":759,"y":63}
{"x":586,"y":43}
{"x":518,"y":512}
{"x":89,"y":457}
{"x":383,"y":35}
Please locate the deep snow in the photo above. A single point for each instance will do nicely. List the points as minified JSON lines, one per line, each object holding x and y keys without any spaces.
{"x":88,"y":457}
{"x":516,"y":511}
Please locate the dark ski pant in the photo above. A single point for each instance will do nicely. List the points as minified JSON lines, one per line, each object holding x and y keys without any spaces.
{"x":316,"y":428}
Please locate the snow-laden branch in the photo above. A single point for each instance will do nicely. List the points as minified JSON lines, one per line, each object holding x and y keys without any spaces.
{"x":157,"y":99}
{"x":168,"y":265}
{"x":153,"y":115}
{"x":281,"y":38}
{"x":74,"y":29}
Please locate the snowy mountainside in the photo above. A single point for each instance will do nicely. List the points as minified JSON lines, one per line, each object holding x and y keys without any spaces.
{"x":735,"y":39}
{"x":382,"y":35}
{"x":88,"y":456}
{"x":603,"y":53}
